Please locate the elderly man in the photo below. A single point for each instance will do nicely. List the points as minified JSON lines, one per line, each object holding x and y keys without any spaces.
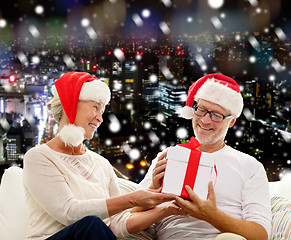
{"x":238,"y":202}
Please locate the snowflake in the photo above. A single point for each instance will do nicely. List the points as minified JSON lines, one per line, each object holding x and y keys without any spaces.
{"x":146,"y":13}
{"x":3,"y":23}
{"x":4,"y":123}
{"x":153,"y":78}
{"x":154,"y":138}
{"x":216,"y":22}
{"x":181,"y":133}
{"x":137,"y":20}
{"x":35,"y":59}
{"x":22,"y":58}
{"x":134,"y":154}
{"x":147,"y":125}
{"x":114,"y":125}
{"x":165,"y":28}
{"x":108,"y":142}
{"x":280,"y":34}
{"x":85,"y":22}
{"x":39,"y":9}
{"x":215,"y":4}
{"x":239,"y":133}
{"x":132,"y":139}
{"x":34,"y":31}
{"x":252,"y":59}
{"x":160,"y":117}
{"x":119,"y":54}
{"x":162,"y":147}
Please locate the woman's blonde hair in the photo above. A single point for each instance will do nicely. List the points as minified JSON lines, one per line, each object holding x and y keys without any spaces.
{"x":56,"y":107}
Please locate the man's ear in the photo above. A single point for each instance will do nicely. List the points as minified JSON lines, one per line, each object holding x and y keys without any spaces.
{"x":232,"y":122}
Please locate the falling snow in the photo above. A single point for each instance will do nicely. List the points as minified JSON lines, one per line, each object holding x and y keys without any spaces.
{"x":39,"y":9}
{"x":119,"y":54}
{"x":165,"y":28}
{"x":215,"y":3}
{"x":173,"y":41}
{"x":114,"y":125}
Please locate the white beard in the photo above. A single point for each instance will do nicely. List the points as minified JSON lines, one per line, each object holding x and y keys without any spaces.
{"x":213,"y":138}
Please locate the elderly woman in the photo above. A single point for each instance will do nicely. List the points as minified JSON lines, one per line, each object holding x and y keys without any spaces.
{"x":73,"y":192}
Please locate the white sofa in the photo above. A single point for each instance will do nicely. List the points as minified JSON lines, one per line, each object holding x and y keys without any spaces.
{"x":14,"y":213}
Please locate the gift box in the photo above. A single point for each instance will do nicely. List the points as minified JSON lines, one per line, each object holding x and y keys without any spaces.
{"x":187,"y":167}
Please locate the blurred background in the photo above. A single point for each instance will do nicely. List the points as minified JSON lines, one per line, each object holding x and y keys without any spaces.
{"x":149,"y":53}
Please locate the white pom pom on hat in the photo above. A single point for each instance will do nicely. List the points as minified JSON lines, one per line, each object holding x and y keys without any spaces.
{"x":216,"y":88}
{"x":72,"y":135}
{"x":72,"y":87}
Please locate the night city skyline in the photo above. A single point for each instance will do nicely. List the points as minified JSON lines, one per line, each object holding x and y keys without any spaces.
{"x":149,"y":54}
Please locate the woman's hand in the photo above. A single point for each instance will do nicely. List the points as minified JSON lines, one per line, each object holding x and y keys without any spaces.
{"x":141,"y":220}
{"x":159,"y":171}
{"x":171,"y":208}
{"x":147,"y":199}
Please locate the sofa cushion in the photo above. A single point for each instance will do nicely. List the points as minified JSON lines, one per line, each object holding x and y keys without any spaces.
{"x":13,"y":208}
{"x":281,"y":188}
{"x":281,"y":218}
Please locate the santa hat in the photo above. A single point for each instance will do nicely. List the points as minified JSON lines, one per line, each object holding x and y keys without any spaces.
{"x":216,"y":88}
{"x":72,"y":87}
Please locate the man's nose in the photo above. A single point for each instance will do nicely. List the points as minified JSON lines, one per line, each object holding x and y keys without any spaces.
{"x":206,"y":118}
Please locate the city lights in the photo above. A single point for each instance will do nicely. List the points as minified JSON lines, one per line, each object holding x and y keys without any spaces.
{"x":143,"y":163}
{"x":11,"y":79}
{"x":129,"y":166}
{"x":149,"y":55}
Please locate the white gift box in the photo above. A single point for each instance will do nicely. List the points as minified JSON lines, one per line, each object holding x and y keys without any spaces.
{"x":187,"y":167}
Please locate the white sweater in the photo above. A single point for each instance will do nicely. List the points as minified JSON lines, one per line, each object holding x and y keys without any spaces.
{"x":61,"y":189}
{"x":241,"y":190}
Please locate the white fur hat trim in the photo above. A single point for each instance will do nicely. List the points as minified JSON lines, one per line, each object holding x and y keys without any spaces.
{"x":96,"y":91}
{"x":222,"y":95}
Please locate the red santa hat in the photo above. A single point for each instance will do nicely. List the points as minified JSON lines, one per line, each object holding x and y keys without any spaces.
{"x":216,"y":88}
{"x":72,"y":87}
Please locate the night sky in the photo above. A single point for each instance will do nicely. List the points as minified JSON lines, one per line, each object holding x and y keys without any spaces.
{"x":239,"y":15}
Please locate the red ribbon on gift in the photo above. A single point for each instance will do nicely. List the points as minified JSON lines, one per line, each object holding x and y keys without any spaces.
{"x":192,"y":167}
{"x":193,"y":144}
{"x":191,"y":172}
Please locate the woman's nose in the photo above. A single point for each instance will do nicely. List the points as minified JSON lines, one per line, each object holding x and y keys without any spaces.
{"x":98,"y":117}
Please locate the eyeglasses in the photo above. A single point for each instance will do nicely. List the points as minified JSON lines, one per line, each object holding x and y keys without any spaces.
{"x":214,"y":116}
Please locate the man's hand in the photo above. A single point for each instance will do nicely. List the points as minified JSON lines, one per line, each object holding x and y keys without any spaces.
{"x":208,"y":211}
{"x":198,"y":208}
{"x":159,"y":171}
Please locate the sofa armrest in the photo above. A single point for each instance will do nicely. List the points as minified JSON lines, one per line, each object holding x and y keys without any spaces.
{"x":13,"y":208}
